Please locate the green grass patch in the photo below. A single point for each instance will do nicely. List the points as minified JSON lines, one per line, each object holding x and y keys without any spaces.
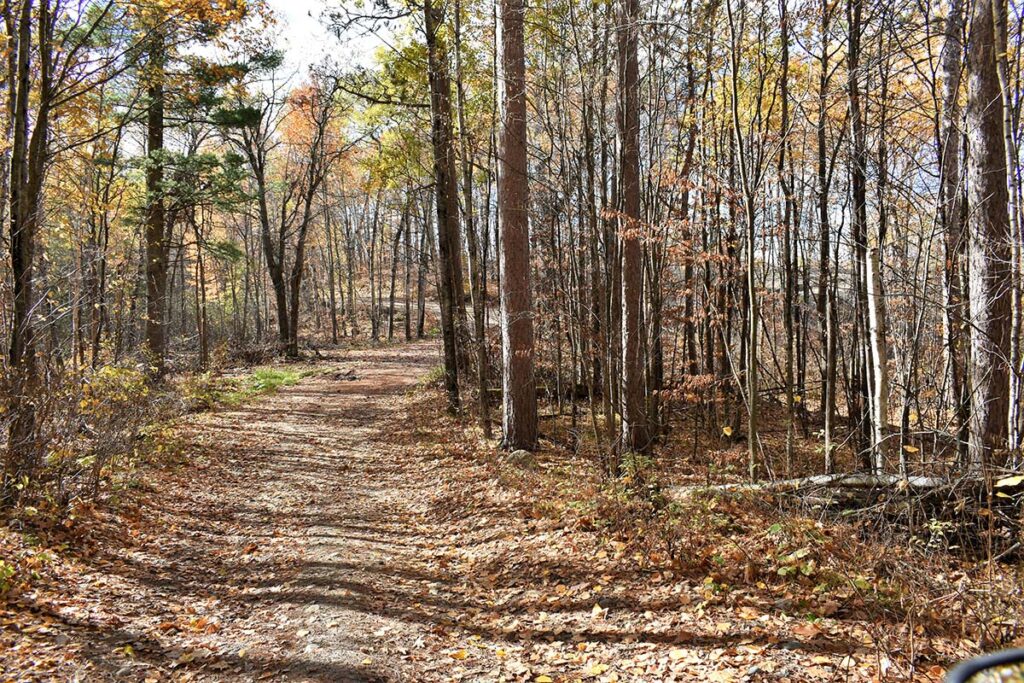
{"x":207,"y":391}
{"x":435,"y":376}
{"x":262,"y":381}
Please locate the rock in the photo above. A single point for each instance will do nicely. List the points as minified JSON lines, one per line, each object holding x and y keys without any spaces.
{"x":347,"y":376}
{"x":523,"y":459}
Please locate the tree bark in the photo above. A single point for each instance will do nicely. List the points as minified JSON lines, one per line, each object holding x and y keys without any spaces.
{"x":29,"y":153}
{"x":951,"y":212}
{"x":156,"y":229}
{"x":448,"y":241}
{"x":519,"y":395}
{"x":826,"y":299}
{"x":861,"y":402}
{"x":635,"y":435}
{"x":989,"y":243}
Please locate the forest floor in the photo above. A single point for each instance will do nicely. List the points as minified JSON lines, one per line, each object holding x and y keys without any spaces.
{"x":344,"y":529}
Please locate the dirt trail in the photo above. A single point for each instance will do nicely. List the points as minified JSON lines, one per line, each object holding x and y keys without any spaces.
{"x":339,"y":501}
{"x":290,"y":543}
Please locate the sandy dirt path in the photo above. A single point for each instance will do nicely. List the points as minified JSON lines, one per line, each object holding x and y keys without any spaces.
{"x":344,"y":513}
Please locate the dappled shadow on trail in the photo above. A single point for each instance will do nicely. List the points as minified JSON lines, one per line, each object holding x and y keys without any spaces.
{"x":402,"y":570}
{"x":322,"y":486}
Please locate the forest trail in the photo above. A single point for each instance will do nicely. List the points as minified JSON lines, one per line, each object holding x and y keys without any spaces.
{"x":291,"y":543}
{"x":325,"y":494}
{"x":323,"y":459}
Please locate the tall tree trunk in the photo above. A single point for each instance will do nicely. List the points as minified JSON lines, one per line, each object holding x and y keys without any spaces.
{"x":1013,"y":187}
{"x":295,"y":286}
{"x":519,"y":396}
{"x":394,"y":271}
{"x":635,"y":435}
{"x":423,"y":262}
{"x":372,"y":264}
{"x":879,"y":370}
{"x":448,"y":241}
{"x":989,"y":242}
{"x":331,"y":267}
{"x":29,"y":153}
{"x":951,"y":212}
{"x":786,"y":183}
{"x":156,"y":229}
{"x":350,"y":273}
{"x":826,"y":299}
{"x":877,"y":310}
{"x":747,"y":184}
{"x":860,"y":412}
{"x":476,"y":283}
{"x":407,"y":236}
{"x":202,"y":325}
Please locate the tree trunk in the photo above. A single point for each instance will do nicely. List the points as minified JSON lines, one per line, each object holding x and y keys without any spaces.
{"x":989,"y":244}
{"x":879,"y":371}
{"x":156,"y":231}
{"x":476,"y":283}
{"x":1014,"y":199}
{"x":331,"y":267}
{"x":394,"y":271}
{"x":860,"y":412}
{"x":448,"y":242}
{"x":408,"y":275}
{"x":951,"y":212}
{"x":747,"y":183}
{"x":519,"y":395}
{"x":423,"y":262}
{"x":635,"y":435}
{"x":827,"y":309}
{"x":29,"y":153}
{"x":786,"y":183}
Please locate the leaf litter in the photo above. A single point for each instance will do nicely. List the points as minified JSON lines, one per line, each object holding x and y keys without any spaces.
{"x":346,"y":528}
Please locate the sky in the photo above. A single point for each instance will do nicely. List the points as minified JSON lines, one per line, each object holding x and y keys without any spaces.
{"x":306,"y":40}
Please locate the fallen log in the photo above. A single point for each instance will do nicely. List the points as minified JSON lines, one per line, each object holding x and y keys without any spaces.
{"x":845,"y":486}
{"x":978,"y":519}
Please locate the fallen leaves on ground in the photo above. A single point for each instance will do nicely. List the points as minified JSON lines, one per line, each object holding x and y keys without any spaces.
{"x":347,"y":527}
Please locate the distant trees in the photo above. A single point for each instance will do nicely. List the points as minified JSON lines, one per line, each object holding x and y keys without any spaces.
{"x":604,"y":228}
{"x":815,"y":220}
{"x":164,"y":31}
{"x":255,"y":139}
{"x":303,"y":127}
{"x":314,"y":154}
